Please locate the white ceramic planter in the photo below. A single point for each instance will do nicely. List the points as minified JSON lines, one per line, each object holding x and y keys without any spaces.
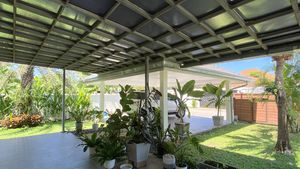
{"x":218,"y":120}
{"x":169,"y":161}
{"x":109,"y":164}
{"x":126,"y":166}
{"x":92,"y":151}
{"x":181,"y":167}
{"x":138,"y":153}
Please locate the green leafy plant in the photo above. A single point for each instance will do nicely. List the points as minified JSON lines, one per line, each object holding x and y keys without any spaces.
{"x":127,"y":95}
{"x":181,"y":148}
{"x":109,"y":150}
{"x":181,"y":95}
{"x":79,"y":104}
{"x":219,"y":96}
{"x":89,"y":142}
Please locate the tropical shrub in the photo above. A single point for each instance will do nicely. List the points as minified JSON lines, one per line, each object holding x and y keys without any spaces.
{"x":22,"y":120}
{"x":79,"y":104}
{"x":219,"y":96}
{"x":8,"y":84}
{"x":181,"y":95}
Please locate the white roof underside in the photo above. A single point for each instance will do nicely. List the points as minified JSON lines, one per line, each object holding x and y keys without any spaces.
{"x":201,"y":74}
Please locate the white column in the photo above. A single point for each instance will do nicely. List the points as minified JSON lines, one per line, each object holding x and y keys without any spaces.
{"x":229,"y":106}
{"x":102,"y":96}
{"x":164,"y":98}
{"x":63,"y":99}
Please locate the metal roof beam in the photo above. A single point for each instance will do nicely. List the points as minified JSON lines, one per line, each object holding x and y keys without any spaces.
{"x":295,"y":6}
{"x":240,"y":20}
{"x":60,"y":11}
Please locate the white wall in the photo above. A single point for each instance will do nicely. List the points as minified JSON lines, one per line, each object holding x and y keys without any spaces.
{"x":111,"y":101}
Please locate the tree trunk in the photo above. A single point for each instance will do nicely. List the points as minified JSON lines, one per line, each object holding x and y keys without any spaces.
{"x":26,"y":85}
{"x":283,"y":142}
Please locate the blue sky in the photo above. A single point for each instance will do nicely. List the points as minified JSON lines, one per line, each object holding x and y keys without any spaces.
{"x":236,"y":66}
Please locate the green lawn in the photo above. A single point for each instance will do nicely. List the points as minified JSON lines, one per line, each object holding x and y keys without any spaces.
{"x":51,"y":127}
{"x":249,"y":146}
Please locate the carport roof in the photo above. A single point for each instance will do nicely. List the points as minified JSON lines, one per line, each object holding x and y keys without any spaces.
{"x":107,"y":35}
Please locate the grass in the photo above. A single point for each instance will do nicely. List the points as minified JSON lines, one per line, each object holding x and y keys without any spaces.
{"x":47,"y":128}
{"x":249,"y":146}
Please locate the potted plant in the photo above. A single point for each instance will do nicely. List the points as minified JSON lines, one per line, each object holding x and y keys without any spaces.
{"x":218,"y":99}
{"x":96,"y":116}
{"x":138,"y":124}
{"x":181,"y":148}
{"x":180,"y":96}
{"x":78,"y":107}
{"x":90,"y":143}
{"x":108,"y":151}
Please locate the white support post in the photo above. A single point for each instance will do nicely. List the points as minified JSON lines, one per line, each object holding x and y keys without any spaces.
{"x":164,"y":98}
{"x":63,"y":99}
{"x":102,"y":95}
{"x":229,"y":106}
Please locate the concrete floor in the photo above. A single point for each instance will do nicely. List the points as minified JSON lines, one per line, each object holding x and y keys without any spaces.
{"x":201,"y":119}
{"x":60,"y":151}
{"x":51,"y":151}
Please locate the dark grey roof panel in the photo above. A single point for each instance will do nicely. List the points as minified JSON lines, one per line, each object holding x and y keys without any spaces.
{"x":200,"y":7}
{"x":174,"y":18}
{"x":152,"y":29}
{"x":126,"y":16}
{"x":262,"y":7}
{"x":99,"y":36}
{"x":95,"y":6}
{"x":151,"y":6}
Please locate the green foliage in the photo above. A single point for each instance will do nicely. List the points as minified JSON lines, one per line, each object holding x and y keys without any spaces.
{"x":219,"y":96}
{"x":262,"y":78}
{"x":127,"y":96}
{"x":109,"y":150}
{"x":181,"y":95}
{"x":291,"y":76}
{"x":79,"y":103}
{"x":91,"y":141}
{"x":183,"y":148}
{"x":8,"y":84}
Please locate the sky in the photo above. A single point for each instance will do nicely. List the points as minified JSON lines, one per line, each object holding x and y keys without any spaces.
{"x":236,"y":66}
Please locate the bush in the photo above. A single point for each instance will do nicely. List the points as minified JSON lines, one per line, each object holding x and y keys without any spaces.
{"x":34,"y":120}
{"x":22,"y":120}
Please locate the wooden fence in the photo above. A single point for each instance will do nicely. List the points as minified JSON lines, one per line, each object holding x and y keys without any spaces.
{"x":256,"y":108}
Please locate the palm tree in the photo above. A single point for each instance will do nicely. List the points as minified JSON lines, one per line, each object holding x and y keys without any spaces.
{"x":283,"y":142}
{"x":24,"y":102}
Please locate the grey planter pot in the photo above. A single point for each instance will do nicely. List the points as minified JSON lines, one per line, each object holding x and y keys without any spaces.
{"x":78,"y":126}
{"x":138,"y":153}
{"x":95,"y":127}
{"x":218,"y":120}
{"x":182,"y":127}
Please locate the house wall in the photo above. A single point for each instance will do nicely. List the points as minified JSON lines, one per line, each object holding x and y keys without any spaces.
{"x":256,"y":108}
